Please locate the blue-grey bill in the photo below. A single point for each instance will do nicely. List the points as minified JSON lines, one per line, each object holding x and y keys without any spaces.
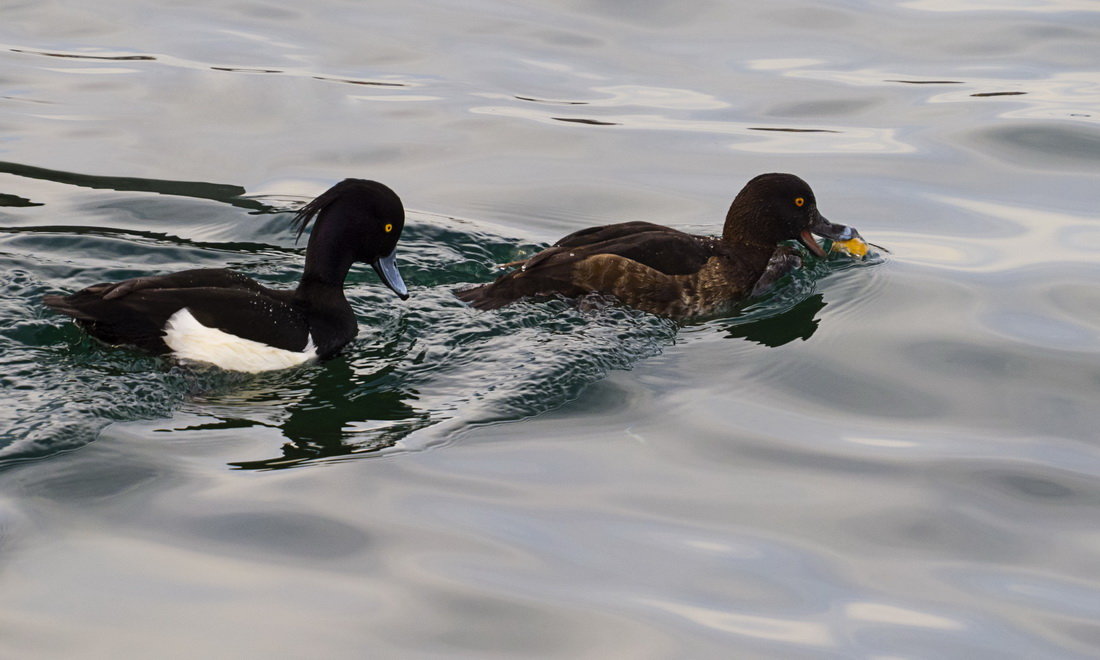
{"x":822,"y":227}
{"x":386,"y":267}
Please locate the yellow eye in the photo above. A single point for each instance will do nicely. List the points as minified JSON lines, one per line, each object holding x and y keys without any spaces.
{"x":798,"y":201}
{"x":389,"y":227}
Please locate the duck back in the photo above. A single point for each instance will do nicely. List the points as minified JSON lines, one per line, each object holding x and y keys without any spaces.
{"x":651,"y":267}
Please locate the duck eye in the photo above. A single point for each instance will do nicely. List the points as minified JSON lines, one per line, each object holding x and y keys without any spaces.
{"x":389,"y":227}
{"x":798,"y":201}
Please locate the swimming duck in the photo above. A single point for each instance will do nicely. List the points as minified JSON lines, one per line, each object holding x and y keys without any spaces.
{"x":671,"y":273}
{"x":224,"y":318}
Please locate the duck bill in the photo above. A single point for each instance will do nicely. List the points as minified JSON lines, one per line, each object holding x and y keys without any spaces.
{"x":807,"y":239}
{"x":386,"y":267}
{"x":822,"y":227}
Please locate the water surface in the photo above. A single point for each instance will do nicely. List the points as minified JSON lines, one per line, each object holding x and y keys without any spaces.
{"x":895,"y":459}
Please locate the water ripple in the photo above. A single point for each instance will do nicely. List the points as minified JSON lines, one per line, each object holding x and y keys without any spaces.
{"x":793,"y":139}
{"x":80,"y":67}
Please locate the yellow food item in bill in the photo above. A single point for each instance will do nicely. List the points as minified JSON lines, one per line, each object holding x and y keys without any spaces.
{"x":855,"y":247}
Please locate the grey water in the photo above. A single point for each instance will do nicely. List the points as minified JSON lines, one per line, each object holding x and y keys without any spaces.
{"x":897,"y":458}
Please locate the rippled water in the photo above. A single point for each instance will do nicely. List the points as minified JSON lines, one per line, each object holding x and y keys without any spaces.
{"x":890,"y":459}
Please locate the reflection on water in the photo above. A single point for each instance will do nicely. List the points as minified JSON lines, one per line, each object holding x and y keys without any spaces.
{"x":227,"y":194}
{"x":341,"y":413}
{"x":1036,"y":6}
{"x":842,"y":139}
{"x":16,"y":200}
{"x":887,"y":461}
{"x":174,"y":61}
{"x":799,"y":322}
{"x":84,"y":56}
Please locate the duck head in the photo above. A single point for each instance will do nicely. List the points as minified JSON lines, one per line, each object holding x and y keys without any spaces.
{"x":355,"y":220}
{"x":773,"y":208}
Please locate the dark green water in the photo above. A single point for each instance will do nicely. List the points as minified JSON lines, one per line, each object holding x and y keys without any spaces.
{"x":890,"y":459}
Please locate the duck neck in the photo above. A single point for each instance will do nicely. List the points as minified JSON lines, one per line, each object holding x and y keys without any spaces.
{"x":328,"y":260}
{"x":331,"y":319}
{"x":320,"y":294}
{"x":322,"y":283}
{"x":312,"y":292}
{"x":737,"y":235}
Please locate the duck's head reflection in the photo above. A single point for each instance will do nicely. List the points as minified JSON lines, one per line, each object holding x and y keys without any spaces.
{"x":343,"y":413}
{"x":798,"y":322}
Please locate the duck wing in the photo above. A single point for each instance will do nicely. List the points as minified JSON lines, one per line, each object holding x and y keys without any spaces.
{"x":142,"y":316}
{"x":590,"y":235}
{"x":664,"y":249}
{"x":633,"y":260}
{"x":221,"y":278}
{"x":784,"y":260}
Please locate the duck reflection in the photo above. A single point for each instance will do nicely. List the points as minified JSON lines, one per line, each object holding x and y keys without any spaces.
{"x":798,"y":322}
{"x":344,"y":411}
{"x":333,"y":419}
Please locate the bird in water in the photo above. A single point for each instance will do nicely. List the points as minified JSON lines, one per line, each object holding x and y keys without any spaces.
{"x":224,"y":318}
{"x":671,"y":273}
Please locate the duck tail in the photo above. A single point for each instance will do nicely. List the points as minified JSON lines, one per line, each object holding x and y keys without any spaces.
{"x":65,"y":305}
{"x":513,"y":264}
{"x":479,"y":297}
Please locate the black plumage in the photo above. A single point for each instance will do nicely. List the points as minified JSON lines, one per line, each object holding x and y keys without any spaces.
{"x":355,"y":220}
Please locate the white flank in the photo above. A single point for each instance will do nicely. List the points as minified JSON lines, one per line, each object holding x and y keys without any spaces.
{"x":191,"y":340}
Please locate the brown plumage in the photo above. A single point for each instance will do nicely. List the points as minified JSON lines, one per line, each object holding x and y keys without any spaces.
{"x":671,"y":273}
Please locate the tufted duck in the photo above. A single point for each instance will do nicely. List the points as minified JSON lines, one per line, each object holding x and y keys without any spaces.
{"x":224,"y":318}
{"x":668,"y":272}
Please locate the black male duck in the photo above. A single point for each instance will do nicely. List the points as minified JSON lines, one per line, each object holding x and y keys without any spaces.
{"x":221,"y":317}
{"x":668,"y":272}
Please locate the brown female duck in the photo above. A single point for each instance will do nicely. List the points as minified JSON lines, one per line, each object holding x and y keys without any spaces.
{"x":668,"y":272}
